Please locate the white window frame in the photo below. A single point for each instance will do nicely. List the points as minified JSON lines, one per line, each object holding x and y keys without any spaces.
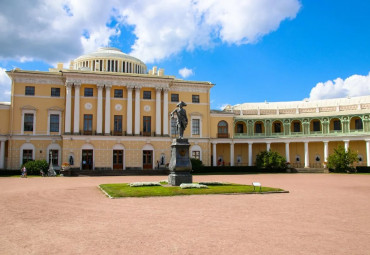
{"x":26,"y":146}
{"x":200,"y":125}
{"x":24,"y":111}
{"x":196,"y":148}
{"x":60,"y":121}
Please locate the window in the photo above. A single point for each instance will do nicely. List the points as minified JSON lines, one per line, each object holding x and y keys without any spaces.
{"x":118,"y":93}
{"x":195,"y":129}
{"x":174,"y":97}
{"x":54,"y":122}
{"x":173,"y":126}
{"x":30,"y":91}
{"x":316,"y":125}
{"x":296,"y":127}
{"x":118,"y":124}
{"x":337,"y":125}
{"x":28,"y":122}
{"x":223,"y":131}
{"x":358,"y":124}
{"x":195,"y":98}
{"x":239,"y":128}
{"x":146,"y":125}
{"x":195,"y":154}
{"x":54,"y":154}
{"x":258,"y":128}
{"x":27,"y":156}
{"x":88,"y":123}
{"x":55,"y":92}
{"x":277,"y":127}
{"x":89,"y":92}
{"x":147,"y":95}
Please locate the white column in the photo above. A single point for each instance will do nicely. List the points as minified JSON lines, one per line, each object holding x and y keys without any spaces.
{"x":137,"y":110}
{"x":268,"y":146}
{"x":306,"y":156}
{"x":287,"y":153}
{"x":99,"y":119}
{"x":2,"y":154}
{"x":76,"y":121}
{"x":165,"y":111}
{"x":158,"y":111}
{"x":346,"y":145}
{"x":126,"y":67}
{"x":129,"y":110}
{"x":250,"y":145}
{"x":214,"y":154}
{"x":67,"y":126}
{"x":326,"y":151}
{"x":231,"y":154}
{"x":368,"y":152}
{"x":107,"y":110}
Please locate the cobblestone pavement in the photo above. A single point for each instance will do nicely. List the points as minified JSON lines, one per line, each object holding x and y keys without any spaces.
{"x":322,"y":214}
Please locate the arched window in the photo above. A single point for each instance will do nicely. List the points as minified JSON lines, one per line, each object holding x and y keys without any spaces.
{"x":356,"y":124}
{"x":277,"y":127}
{"x":223,"y":130}
{"x":335,"y":125}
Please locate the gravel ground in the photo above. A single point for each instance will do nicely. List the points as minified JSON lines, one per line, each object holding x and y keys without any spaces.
{"x":322,"y":214}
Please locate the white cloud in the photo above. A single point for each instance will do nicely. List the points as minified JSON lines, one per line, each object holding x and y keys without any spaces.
{"x":60,"y":30}
{"x":5,"y":84}
{"x":355,"y":85}
{"x":185,"y":72}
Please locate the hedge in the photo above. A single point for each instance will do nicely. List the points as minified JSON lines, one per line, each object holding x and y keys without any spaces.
{"x":236,"y":169}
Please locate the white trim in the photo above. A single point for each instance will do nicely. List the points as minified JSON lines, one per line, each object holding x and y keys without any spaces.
{"x":26,"y":146}
{"x":196,"y":148}
{"x":87,"y":146}
{"x":119,"y":146}
{"x":148,"y":147}
{"x":196,"y":117}
{"x":49,"y":97}
{"x":54,"y":146}
{"x":24,"y":111}
{"x":56,"y":112}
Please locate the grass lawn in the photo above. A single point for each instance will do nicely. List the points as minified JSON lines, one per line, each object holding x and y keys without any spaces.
{"x":124,"y":190}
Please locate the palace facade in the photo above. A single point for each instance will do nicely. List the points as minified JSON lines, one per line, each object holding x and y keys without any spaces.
{"x":107,"y":111}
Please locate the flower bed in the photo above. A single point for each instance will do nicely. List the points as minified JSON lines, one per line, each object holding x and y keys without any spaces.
{"x":193,"y":186}
{"x":144,"y":184}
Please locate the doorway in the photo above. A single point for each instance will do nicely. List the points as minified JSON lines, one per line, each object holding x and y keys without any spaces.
{"x":147,"y":159}
{"x":117,"y":159}
{"x":87,"y":159}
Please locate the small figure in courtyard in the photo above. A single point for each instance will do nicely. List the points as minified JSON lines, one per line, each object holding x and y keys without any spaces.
{"x":24,"y":172}
{"x":182,"y":119}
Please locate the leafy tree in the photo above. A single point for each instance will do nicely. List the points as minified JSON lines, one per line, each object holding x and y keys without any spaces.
{"x":270,"y":160}
{"x":341,"y":161}
{"x":34,"y":167}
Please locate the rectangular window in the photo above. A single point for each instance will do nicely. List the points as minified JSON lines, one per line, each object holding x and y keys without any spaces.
{"x":147,"y":95}
{"x":27,"y":156}
{"x":146,"y":125}
{"x":195,"y":129}
{"x":173,"y":126}
{"x":239,"y":128}
{"x":358,"y":124}
{"x":195,"y":99}
{"x":277,"y":127}
{"x":316,"y":126}
{"x":337,"y":125}
{"x":174,"y":97}
{"x":55,"y":92}
{"x":88,"y":123}
{"x":118,"y":124}
{"x":30,"y":91}
{"x":296,"y":127}
{"x":88,"y":92}
{"x":54,"y":155}
{"x":54,"y":122}
{"x":28,"y":122}
{"x":118,"y":93}
{"x":258,"y":128}
{"x":195,"y":154}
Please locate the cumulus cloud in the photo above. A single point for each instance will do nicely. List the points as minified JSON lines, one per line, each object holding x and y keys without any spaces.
{"x":185,"y":72}
{"x":5,"y":85}
{"x":355,"y":85}
{"x":60,"y":30}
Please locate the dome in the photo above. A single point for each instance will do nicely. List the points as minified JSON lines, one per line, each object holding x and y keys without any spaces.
{"x":109,"y":59}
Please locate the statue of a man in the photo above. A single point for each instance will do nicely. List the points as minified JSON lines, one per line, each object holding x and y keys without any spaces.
{"x":182,"y":120}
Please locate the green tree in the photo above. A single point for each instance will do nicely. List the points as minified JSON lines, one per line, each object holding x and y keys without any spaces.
{"x":196,"y":164}
{"x":270,"y":160}
{"x":34,"y":167}
{"x":341,"y":161}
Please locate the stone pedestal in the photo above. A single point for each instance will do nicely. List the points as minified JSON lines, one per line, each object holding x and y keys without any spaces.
{"x":180,"y":164}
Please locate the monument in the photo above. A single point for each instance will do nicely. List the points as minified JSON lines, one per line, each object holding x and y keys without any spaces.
{"x":180,"y":164}
{"x":51,"y":171}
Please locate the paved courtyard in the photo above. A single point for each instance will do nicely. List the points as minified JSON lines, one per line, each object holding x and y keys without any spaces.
{"x":322,"y":214}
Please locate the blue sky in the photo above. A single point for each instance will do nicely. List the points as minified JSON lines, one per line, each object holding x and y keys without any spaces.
{"x":297,"y":50}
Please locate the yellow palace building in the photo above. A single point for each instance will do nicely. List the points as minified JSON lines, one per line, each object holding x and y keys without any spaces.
{"x":107,"y":111}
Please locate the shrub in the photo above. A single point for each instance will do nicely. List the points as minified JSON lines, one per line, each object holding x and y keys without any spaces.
{"x":196,"y":164}
{"x":34,"y":167}
{"x":341,"y":161}
{"x":270,"y":160}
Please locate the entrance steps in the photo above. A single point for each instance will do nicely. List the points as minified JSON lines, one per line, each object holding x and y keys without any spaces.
{"x":309,"y":170}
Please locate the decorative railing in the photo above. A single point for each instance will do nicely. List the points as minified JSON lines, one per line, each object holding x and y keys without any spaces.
{"x":223,"y":135}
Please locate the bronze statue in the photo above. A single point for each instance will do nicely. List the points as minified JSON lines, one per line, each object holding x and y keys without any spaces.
{"x":182,"y":119}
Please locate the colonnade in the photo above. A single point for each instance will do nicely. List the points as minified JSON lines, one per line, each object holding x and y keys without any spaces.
{"x":287,"y":152}
{"x":107,"y":122}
